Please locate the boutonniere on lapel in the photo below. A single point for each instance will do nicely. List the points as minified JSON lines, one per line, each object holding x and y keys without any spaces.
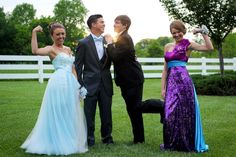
{"x":105,"y":45}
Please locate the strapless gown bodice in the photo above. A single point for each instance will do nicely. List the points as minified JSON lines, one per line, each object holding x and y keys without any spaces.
{"x":63,"y":61}
{"x":61,"y":126}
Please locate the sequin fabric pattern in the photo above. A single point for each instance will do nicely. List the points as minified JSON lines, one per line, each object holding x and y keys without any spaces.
{"x":179,"y":121}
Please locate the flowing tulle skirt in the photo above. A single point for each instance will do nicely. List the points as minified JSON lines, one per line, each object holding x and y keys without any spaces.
{"x":61,"y":127}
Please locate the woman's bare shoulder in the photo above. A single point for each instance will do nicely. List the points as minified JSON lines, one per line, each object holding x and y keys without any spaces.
{"x":168,"y":46}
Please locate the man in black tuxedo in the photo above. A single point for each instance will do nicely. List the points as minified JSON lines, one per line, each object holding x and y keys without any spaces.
{"x":93,"y":70}
{"x":127,"y":73}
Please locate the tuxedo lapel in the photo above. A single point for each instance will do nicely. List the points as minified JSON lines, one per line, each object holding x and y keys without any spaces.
{"x":104,"y":48}
{"x":105,"y":53}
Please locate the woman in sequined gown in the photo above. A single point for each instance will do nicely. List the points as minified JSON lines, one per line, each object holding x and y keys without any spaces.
{"x":61,"y":127}
{"x":182,"y":123}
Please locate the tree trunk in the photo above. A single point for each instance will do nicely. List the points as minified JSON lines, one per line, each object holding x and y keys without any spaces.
{"x":221,"y":58}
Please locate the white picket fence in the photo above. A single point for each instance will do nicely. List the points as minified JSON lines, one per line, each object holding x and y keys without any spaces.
{"x":152,"y":67}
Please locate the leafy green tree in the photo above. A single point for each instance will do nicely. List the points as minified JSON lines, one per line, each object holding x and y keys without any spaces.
{"x":23,"y":14}
{"x":229,"y":46}
{"x":154,"y":49}
{"x":218,"y":15}
{"x":164,"y":40}
{"x":2,"y":19}
{"x":22,"y":40}
{"x":71,"y":14}
{"x":141,"y":48}
{"x":44,"y":38}
{"x":16,"y":27}
{"x":7,"y":35}
{"x":21,"y":17}
{"x":151,"y":47}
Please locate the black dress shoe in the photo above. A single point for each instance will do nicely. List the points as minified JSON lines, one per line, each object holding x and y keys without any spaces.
{"x":137,"y":142}
{"x":108,"y":141}
{"x":91,"y":142}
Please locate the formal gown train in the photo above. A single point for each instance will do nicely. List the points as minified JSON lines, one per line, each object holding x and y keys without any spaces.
{"x":61,"y":126}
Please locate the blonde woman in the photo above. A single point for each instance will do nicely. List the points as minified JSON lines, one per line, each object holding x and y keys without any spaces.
{"x":61,"y":127}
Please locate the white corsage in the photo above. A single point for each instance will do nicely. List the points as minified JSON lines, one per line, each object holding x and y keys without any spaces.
{"x":105,"y":45}
{"x":82,"y":92}
{"x":203,"y":30}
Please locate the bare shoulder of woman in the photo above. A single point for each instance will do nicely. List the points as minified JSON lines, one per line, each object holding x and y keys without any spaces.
{"x":69,"y":50}
{"x":49,"y":49}
{"x":168,"y":47}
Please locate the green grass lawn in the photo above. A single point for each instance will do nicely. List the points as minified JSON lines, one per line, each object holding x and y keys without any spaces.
{"x":20,"y":103}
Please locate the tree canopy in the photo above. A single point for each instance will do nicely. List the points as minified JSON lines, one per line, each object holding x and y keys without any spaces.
{"x":229,"y":45}
{"x":16,"y":27}
{"x":71,"y":14}
{"x":23,"y":14}
{"x":218,"y":15}
{"x":152,"y":47}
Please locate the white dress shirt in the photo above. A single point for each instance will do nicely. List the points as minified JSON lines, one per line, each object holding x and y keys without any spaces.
{"x":99,"y":45}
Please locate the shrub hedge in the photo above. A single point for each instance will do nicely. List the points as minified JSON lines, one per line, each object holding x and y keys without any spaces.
{"x":216,"y":84}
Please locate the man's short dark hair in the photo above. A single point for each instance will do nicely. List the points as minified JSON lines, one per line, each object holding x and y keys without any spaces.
{"x":93,"y":19}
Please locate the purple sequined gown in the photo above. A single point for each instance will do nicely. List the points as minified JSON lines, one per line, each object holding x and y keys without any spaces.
{"x":179,"y":121}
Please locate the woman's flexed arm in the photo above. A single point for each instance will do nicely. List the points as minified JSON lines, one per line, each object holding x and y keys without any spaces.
{"x":34,"y":43}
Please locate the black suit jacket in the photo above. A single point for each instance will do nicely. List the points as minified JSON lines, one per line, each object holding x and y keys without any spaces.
{"x":91,"y":72}
{"x":128,"y":71}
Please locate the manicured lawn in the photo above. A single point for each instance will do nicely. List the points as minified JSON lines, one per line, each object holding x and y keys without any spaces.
{"x":20,"y":103}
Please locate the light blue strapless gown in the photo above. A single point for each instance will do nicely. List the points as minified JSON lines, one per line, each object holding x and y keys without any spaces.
{"x":61,"y":126}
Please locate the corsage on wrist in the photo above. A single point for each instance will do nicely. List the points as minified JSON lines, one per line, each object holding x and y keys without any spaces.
{"x":204,"y":30}
{"x":83,"y":92}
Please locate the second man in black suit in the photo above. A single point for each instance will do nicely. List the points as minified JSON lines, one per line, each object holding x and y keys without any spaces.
{"x":127,"y":73}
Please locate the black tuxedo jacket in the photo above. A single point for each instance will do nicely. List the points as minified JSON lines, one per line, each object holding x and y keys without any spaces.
{"x":91,"y":72}
{"x":127,"y":70}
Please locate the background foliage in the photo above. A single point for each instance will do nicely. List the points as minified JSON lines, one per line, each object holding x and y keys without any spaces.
{"x":218,"y":15}
{"x":16,"y":27}
{"x":216,"y":84}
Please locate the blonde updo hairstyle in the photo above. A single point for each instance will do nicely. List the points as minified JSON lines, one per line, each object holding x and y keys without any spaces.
{"x":179,"y":25}
{"x":53,"y":26}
